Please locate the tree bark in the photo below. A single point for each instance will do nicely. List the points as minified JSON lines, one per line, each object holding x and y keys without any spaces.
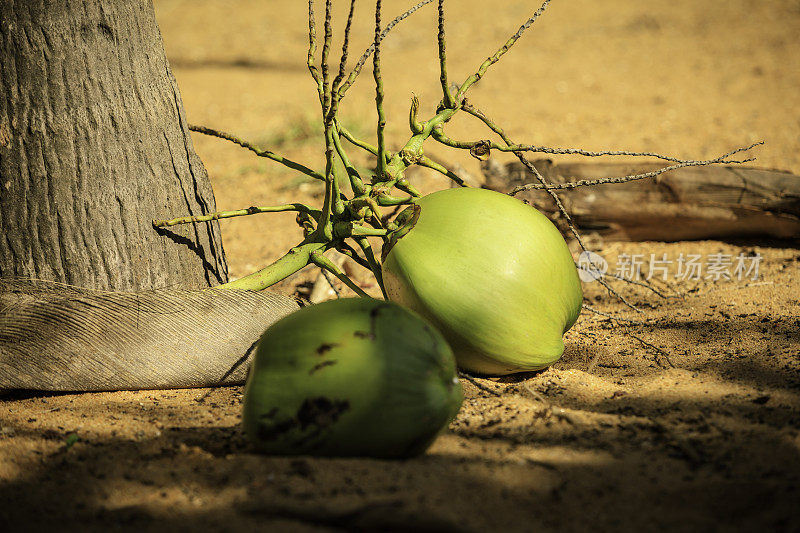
{"x":94,"y":145}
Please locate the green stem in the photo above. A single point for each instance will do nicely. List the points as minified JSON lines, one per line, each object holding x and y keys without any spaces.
{"x":307,"y":222}
{"x":294,"y":260}
{"x":463,"y":145}
{"x":351,"y":229}
{"x":387,"y":200}
{"x":258,"y":151}
{"x":238,"y":213}
{"x":413,"y":122}
{"x":362,"y":61}
{"x":448,"y":98}
{"x":405,"y":186}
{"x":364,"y":145}
{"x":355,"y":178}
{"x":323,"y":262}
{"x":509,"y":146}
{"x":337,"y":82}
{"x":344,"y":248}
{"x":376,"y":71}
{"x":333,"y":91}
{"x":475,"y":112}
{"x":364,"y":231}
{"x":373,"y":263}
{"x":332,"y":203}
{"x":413,"y":150}
{"x":565,"y":151}
{"x":326,"y":50}
{"x":469,"y":82}
{"x":427,"y":162}
{"x":338,"y":197}
{"x":312,"y":50}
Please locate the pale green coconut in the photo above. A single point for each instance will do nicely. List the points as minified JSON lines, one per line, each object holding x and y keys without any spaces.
{"x":350,"y":377}
{"x":494,"y":275}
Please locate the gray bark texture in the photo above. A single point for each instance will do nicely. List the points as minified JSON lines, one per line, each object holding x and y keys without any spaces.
{"x":94,"y":145}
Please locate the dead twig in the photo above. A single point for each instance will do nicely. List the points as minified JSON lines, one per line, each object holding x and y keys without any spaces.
{"x":478,"y":384}
{"x":660,"y":351}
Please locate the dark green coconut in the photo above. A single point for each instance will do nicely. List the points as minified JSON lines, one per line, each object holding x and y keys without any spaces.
{"x":350,"y":377}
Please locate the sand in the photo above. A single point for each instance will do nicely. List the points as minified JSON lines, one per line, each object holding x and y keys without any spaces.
{"x":688,"y":419}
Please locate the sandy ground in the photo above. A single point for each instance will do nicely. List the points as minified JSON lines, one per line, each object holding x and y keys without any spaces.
{"x":689,"y":420}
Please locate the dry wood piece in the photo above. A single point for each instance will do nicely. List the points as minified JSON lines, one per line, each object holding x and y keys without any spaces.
{"x":684,"y":204}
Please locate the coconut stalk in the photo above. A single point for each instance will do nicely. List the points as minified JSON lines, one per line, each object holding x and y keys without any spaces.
{"x":348,"y":224}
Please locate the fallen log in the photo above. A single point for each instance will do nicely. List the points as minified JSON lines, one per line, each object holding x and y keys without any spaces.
{"x":692,"y":203}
